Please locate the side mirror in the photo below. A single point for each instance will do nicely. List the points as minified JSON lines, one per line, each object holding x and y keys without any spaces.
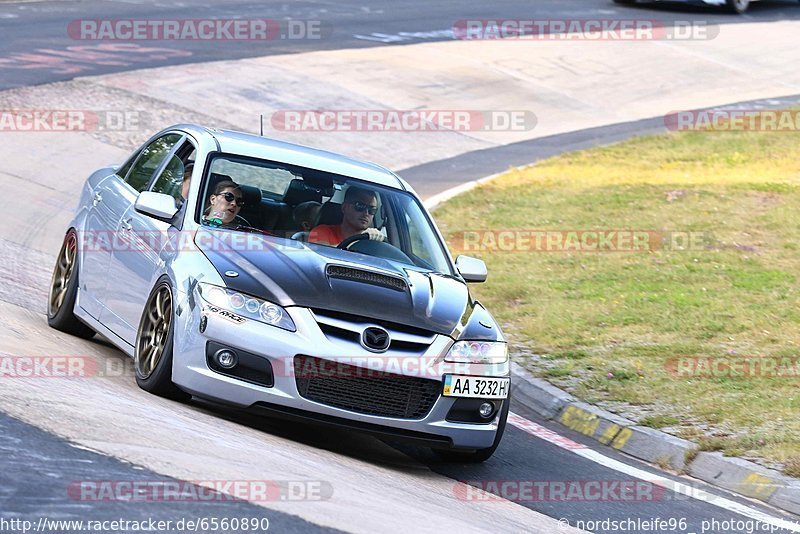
{"x":156,"y":205}
{"x":471,"y":269}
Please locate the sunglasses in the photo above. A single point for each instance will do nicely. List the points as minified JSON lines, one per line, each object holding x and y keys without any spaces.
{"x":361,"y":207}
{"x":230,"y":197}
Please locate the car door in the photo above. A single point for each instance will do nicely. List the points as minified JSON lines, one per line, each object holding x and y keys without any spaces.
{"x":97,"y":237}
{"x":140,"y":257}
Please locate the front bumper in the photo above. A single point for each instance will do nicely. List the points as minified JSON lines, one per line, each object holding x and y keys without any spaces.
{"x":192,"y":373}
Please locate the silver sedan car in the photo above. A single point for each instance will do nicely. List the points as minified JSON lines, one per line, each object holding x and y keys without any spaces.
{"x":287,"y":280}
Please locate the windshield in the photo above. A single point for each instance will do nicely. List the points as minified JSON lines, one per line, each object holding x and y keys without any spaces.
{"x":320,"y":209}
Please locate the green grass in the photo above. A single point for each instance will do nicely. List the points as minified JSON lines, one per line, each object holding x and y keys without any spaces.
{"x":609,"y":322}
{"x":659,"y":421}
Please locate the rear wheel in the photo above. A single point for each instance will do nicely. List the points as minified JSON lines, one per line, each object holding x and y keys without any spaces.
{"x":479,"y":455}
{"x":737,"y":6}
{"x":64,"y":291}
{"x":152,"y":355}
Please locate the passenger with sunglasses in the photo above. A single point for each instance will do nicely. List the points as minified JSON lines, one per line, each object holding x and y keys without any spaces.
{"x":223,"y":204}
{"x":358,"y":211}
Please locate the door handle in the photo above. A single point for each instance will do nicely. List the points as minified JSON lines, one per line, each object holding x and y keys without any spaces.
{"x":98,"y":198}
{"x":126,"y":225}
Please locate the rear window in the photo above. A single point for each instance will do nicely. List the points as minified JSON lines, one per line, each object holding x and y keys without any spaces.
{"x":270,"y":180}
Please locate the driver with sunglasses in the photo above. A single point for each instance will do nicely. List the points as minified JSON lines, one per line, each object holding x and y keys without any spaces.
{"x":358,"y":210}
{"x":223,"y":205}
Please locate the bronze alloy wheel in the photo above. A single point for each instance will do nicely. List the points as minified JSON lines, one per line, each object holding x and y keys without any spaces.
{"x":152,"y":355}
{"x":61,"y":301}
{"x":153,"y":332}
{"x":62,"y":273}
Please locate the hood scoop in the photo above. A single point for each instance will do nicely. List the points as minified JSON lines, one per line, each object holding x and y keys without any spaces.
{"x":367,"y":277}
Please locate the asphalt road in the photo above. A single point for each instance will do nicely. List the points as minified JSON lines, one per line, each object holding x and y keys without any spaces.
{"x":36,"y":468}
{"x":41,"y":473}
{"x":40,"y":46}
{"x":531,"y":471}
{"x":522,"y":457}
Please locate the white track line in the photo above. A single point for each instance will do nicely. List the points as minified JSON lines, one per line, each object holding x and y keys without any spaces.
{"x":550,"y":436}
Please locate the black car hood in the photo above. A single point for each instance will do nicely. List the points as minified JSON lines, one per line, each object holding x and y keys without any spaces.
{"x":291,"y":273}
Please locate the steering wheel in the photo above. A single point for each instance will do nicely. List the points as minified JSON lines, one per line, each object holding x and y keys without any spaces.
{"x":379,"y":249}
{"x":239,"y":220}
{"x":344,"y":245}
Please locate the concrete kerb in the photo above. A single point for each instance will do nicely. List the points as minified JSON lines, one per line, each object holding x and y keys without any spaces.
{"x":653,"y":446}
{"x":747,"y":478}
{"x":604,"y":427}
{"x":537,"y":394}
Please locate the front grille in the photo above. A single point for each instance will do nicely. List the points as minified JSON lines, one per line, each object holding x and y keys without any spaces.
{"x":334,"y":332}
{"x":388,"y":325}
{"x":364,"y":391}
{"x":346,"y":326}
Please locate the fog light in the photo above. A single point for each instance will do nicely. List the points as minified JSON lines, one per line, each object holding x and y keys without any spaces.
{"x":225,"y":358}
{"x":486,"y":409}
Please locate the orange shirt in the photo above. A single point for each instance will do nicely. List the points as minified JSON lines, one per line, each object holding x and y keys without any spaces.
{"x":330,"y":234}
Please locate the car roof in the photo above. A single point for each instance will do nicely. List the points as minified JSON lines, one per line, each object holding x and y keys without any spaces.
{"x":256,"y":146}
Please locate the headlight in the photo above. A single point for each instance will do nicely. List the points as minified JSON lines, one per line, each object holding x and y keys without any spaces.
{"x":477,"y":352}
{"x":247,"y":306}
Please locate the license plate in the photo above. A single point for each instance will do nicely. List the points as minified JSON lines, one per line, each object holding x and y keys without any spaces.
{"x":475,"y":387}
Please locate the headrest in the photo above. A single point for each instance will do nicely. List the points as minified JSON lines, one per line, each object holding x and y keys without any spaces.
{"x":251,"y":195}
{"x":299,"y":191}
{"x":213,"y":180}
{"x":330,"y":213}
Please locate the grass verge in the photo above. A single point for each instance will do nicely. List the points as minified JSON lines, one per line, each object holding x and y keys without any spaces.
{"x":697,"y":332}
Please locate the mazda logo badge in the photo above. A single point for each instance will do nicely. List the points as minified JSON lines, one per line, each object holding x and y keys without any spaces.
{"x":375,"y":339}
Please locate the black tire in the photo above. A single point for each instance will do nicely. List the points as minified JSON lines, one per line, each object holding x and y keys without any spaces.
{"x":152,"y":353}
{"x":737,"y":6}
{"x":480,"y":455}
{"x":625,"y":2}
{"x":64,"y":291}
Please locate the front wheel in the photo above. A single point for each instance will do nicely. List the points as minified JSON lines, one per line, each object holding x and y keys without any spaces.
{"x":152,"y":355}
{"x":737,"y":6}
{"x":480,"y":455}
{"x":64,"y":291}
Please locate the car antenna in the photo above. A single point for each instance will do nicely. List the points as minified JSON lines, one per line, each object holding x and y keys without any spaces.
{"x":262,"y":124}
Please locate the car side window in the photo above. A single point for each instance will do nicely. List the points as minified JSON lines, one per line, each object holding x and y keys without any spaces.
{"x":123,"y":170}
{"x":170,"y":179}
{"x":151,"y":158}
